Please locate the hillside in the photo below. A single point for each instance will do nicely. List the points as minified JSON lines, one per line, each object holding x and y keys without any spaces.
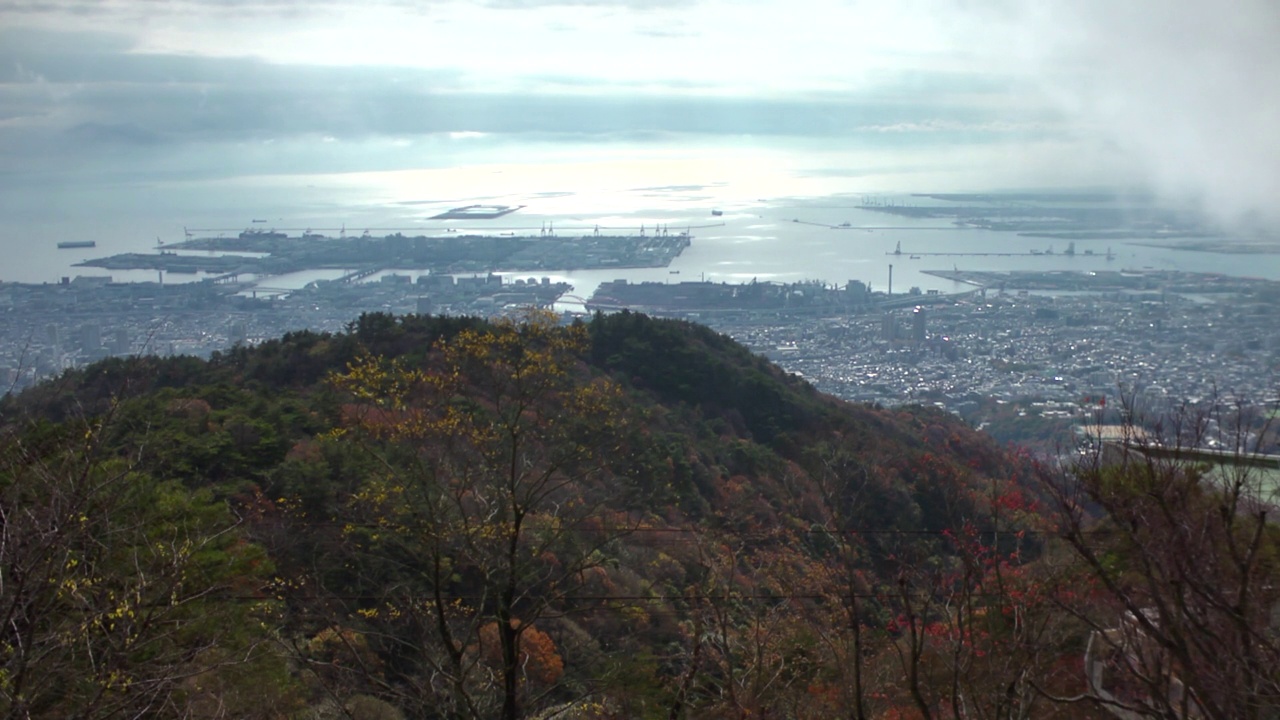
{"x":439,"y":517}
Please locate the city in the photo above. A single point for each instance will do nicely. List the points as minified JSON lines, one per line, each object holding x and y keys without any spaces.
{"x":1054,"y":345}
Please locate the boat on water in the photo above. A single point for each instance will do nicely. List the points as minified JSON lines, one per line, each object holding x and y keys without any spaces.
{"x":72,"y":244}
{"x":717,"y":213}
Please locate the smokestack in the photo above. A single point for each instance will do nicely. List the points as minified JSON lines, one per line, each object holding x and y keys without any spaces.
{"x":890,"y":279}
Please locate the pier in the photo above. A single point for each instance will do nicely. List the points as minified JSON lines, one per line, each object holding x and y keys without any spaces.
{"x":1069,"y":252}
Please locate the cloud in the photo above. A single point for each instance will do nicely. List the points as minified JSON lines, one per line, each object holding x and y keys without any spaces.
{"x":952,"y":126}
{"x":194,"y":75}
{"x":100,"y":93}
{"x":293,"y":8}
{"x":667,"y":32}
{"x":757,"y":47}
{"x":640,"y":5}
{"x":1186,"y":88}
{"x":114,"y":134}
{"x":166,"y":7}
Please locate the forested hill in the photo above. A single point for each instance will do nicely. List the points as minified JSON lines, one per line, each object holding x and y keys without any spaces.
{"x":442,"y":517}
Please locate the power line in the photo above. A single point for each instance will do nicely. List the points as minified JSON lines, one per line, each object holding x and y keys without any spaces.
{"x":780,"y":534}
{"x":631,"y":600}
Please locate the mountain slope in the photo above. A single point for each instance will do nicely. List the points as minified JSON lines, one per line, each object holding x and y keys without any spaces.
{"x":498,"y":520}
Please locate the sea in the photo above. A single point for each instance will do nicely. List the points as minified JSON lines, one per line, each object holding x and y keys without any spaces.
{"x":749,"y":222}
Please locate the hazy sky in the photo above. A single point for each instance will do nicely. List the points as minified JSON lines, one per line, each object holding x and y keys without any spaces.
{"x":1180,"y":94}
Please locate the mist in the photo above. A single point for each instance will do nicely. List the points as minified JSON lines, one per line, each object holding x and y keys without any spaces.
{"x":1186,"y":89}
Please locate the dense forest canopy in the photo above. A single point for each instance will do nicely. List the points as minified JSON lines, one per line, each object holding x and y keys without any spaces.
{"x":627,"y":517}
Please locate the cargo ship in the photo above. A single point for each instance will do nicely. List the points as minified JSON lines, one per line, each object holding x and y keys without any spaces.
{"x":72,"y":244}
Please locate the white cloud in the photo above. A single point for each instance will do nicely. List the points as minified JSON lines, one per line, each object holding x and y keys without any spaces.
{"x":759,"y":47}
{"x":953,"y":126}
{"x":1182,"y":89}
{"x":1186,"y":89}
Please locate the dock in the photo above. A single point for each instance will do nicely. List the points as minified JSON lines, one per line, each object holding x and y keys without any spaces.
{"x":1069,"y":252}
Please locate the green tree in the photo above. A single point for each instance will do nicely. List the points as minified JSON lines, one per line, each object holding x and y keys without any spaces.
{"x":122,"y":595}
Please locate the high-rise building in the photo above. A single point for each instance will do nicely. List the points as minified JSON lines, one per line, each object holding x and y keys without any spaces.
{"x":237,"y":333}
{"x":917,"y":325}
{"x":90,"y":337}
{"x":889,"y":327}
{"x":121,"y":344}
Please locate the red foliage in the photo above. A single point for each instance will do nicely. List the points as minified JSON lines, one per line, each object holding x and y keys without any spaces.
{"x":538,"y":657}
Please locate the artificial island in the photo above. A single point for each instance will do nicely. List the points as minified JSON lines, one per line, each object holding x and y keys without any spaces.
{"x":268,"y":252}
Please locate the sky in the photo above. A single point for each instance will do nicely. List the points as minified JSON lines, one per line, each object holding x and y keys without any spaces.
{"x":1178,"y":96}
